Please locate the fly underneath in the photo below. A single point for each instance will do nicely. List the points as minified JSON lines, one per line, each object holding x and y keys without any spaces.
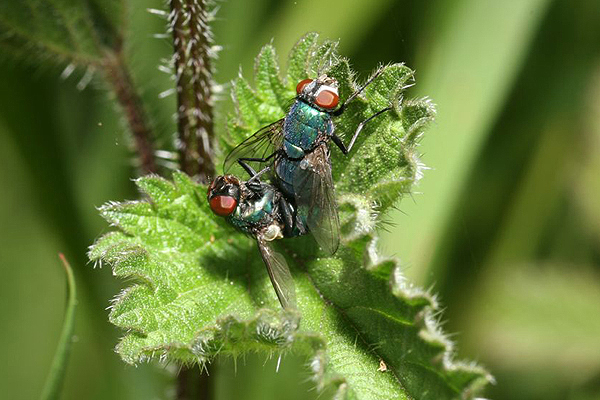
{"x":261,"y":211}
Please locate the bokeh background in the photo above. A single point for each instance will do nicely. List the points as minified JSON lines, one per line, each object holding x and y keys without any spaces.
{"x":505,"y":225}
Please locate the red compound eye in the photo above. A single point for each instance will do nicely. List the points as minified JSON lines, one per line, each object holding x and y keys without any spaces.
{"x":327,"y":99}
{"x":301,"y":85}
{"x":223,"y":205}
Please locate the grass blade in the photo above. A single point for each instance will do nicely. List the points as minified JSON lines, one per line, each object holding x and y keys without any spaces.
{"x":56,"y":376}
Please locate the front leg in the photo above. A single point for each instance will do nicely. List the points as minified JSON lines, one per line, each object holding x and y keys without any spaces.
{"x":244,"y":163}
{"x":254,"y":183}
{"x":359,"y":128}
{"x":342,"y":108}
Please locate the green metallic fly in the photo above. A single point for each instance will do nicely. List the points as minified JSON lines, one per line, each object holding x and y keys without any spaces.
{"x":295,"y":150}
{"x":261,"y":211}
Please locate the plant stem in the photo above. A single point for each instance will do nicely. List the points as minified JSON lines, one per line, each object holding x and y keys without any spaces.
{"x":119,"y":77}
{"x":194,"y":384}
{"x":192,"y":43}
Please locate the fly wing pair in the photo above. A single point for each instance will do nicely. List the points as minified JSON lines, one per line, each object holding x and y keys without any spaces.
{"x":313,"y":188}
{"x":312,"y":182}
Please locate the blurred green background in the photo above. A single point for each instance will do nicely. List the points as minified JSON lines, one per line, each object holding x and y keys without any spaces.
{"x":505,"y":225}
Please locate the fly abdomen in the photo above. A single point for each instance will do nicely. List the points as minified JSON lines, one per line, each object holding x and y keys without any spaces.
{"x":285,"y":170}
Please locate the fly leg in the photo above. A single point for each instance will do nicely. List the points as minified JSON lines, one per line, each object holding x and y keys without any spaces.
{"x":244,"y":163}
{"x":359,"y":128}
{"x":254,"y":182}
{"x":288,"y":216}
{"x":340,"y":110}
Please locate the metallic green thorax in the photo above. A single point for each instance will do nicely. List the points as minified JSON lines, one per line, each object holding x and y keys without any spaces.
{"x":255,"y":212}
{"x":250,"y":215}
{"x":304,"y":127}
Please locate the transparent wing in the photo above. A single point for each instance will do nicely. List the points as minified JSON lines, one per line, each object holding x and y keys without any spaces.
{"x":279,"y":272}
{"x":315,"y":195}
{"x":261,"y":144}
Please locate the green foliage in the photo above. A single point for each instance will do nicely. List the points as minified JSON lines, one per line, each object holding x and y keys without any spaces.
{"x":78,"y":32}
{"x":200,"y":290}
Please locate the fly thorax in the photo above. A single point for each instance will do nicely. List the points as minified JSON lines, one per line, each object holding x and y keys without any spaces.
{"x":263,"y":203}
{"x":240,"y":211}
{"x":244,"y":210}
{"x":304,"y":125}
{"x":292,"y":151}
{"x":272,"y":232}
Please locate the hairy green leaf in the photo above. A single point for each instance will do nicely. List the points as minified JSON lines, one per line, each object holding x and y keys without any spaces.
{"x":201,"y":289}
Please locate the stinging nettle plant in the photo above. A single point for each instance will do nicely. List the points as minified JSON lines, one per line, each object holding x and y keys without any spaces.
{"x":201,"y":290}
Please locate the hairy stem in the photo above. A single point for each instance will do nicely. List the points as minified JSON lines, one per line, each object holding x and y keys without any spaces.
{"x":120,"y":78}
{"x":193,"y":384}
{"x":192,"y":44}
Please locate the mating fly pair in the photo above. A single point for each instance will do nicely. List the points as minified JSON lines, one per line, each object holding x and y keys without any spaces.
{"x":301,"y":196}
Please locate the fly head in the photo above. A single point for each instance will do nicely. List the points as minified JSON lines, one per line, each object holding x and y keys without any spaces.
{"x":321,"y":92}
{"x":224,"y":195}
